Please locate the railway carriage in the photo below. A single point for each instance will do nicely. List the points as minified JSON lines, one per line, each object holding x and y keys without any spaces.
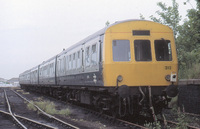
{"x":34,"y":76}
{"x":47,"y":71}
{"x":126,"y":68}
{"x":24,"y":78}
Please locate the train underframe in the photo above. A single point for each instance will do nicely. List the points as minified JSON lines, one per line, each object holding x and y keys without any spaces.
{"x":117,"y":101}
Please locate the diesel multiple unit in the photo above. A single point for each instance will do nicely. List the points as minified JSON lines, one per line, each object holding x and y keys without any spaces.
{"x":126,"y":68}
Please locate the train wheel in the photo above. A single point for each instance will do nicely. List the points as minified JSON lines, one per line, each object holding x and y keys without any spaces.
{"x":115,"y":112}
{"x":99,"y":106}
{"x":100,"y":109}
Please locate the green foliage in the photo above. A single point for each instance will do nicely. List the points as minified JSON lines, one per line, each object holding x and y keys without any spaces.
{"x":154,"y":125}
{"x":191,"y":72}
{"x":142,"y":17}
{"x":182,"y":124}
{"x":64,"y":112}
{"x":174,"y":102}
{"x":168,"y":16}
{"x":188,"y":45}
{"x":48,"y":107}
{"x":107,"y":23}
{"x":30,"y":106}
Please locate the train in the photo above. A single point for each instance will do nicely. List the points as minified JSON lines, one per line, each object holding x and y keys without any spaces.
{"x":125,"y":69}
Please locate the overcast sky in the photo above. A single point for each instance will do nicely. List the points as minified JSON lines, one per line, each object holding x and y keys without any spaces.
{"x":32,"y":31}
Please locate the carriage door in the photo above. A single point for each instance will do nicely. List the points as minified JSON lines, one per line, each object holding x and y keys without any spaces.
{"x":91,"y":55}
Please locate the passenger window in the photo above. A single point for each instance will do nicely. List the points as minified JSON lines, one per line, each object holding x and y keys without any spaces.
{"x":121,"y":50}
{"x":94,"y":55}
{"x":78,"y":59}
{"x":142,"y":50}
{"x":53,"y":68}
{"x":74,"y":61}
{"x":40,"y":71}
{"x":52,"y":71}
{"x":87,"y":57}
{"x":36,"y":73}
{"x":70,"y":62}
{"x":61,"y":65}
{"x":48,"y":69}
{"x":64,"y":63}
{"x":67,"y":63}
{"x":163,"y":50}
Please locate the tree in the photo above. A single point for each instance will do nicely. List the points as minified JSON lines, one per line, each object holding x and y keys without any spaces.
{"x":142,"y":17}
{"x":188,"y":44}
{"x":168,"y":16}
{"x":107,"y":23}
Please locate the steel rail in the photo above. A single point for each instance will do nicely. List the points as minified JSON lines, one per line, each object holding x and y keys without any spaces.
{"x":41,"y":125}
{"x":191,"y":114}
{"x":123,"y":122}
{"x":188,"y":126}
{"x":46,"y":114}
{"x":175,"y":123}
{"x":132,"y":124}
{"x":9,"y":109}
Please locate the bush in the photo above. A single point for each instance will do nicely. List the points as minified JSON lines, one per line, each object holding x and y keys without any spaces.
{"x":193,"y":72}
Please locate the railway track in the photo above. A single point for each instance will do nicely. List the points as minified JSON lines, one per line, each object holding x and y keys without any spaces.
{"x":22,"y":121}
{"x":192,"y":114}
{"x":173,"y":124}
{"x":189,"y":120}
{"x":129,"y":124}
{"x":163,"y":125}
{"x":120,"y":122}
{"x":124,"y":123}
{"x":53,"y":118}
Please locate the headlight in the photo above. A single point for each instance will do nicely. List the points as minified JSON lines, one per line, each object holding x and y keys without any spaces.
{"x":119,"y":78}
{"x":167,"y":77}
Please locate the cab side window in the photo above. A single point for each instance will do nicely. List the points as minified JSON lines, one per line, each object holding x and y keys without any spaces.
{"x":163,"y":50}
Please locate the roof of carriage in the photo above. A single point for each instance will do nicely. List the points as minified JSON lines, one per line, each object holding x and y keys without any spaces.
{"x":98,"y":33}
